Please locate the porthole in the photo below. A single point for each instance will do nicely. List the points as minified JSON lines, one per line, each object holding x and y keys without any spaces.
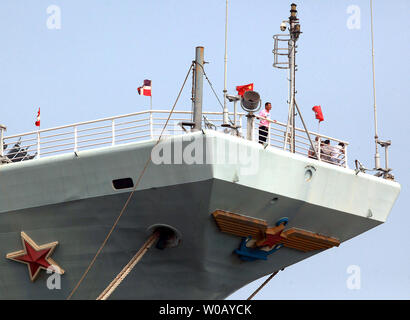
{"x":308,"y":174}
{"x":309,"y":171}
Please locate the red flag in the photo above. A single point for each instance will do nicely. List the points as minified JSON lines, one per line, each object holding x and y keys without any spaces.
{"x":37,"y":123}
{"x":146,"y":88}
{"x":318,"y":113}
{"x":242,"y":89}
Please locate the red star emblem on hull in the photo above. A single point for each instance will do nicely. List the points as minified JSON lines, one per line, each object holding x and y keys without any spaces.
{"x":36,"y":257}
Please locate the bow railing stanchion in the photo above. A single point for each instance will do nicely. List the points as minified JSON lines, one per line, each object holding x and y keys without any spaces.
{"x":113,"y":131}
{"x":151,"y":125}
{"x":75,"y":140}
{"x":286,"y":136}
{"x":38,"y":144}
{"x":240,"y":125}
{"x":2,"y":128}
{"x":345,"y":156}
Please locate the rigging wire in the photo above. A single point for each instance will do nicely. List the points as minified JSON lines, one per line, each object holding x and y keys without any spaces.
{"x":131,"y":194}
{"x":212,"y":88}
{"x":262,"y":285}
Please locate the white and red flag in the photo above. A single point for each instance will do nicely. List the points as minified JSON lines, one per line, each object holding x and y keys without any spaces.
{"x":145,"y":90}
{"x":37,"y":123}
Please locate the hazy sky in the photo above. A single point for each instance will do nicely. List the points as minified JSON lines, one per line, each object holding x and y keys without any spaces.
{"x":89,"y":64}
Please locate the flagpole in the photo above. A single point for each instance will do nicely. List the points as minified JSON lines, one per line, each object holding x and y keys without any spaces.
{"x":150,"y":98}
{"x":38,"y":134}
{"x":151,"y":122}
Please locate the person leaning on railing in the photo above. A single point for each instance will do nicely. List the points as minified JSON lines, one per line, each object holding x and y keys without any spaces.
{"x":338,"y":154}
{"x":311,"y":152}
{"x":326,"y":151}
{"x":264,"y":124}
{"x":333,"y":154}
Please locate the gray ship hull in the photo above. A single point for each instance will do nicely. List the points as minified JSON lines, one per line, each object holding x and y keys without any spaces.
{"x":70,"y":199}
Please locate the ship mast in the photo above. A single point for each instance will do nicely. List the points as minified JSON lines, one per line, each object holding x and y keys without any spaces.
{"x":290,"y":54}
{"x":294,"y":30}
{"x":290,"y":64}
{"x":198,"y":85}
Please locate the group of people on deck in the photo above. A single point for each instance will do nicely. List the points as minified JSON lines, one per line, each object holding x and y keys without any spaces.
{"x":328,"y":153}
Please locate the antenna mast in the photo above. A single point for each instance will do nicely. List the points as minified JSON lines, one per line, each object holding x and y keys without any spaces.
{"x":385,"y":173}
{"x":376,"y":137}
{"x":225,"y":109}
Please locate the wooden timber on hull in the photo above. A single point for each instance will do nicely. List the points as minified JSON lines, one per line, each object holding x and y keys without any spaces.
{"x":245,"y":226}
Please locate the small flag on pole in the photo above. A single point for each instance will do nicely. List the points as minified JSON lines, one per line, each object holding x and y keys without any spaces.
{"x":242,"y":89}
{"x":145,"y":90}
{"x":37,"y":123}
{"x":318,"y":113}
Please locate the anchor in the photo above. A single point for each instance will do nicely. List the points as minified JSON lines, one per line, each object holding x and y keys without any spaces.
{"x":252,"y":254}
{"x":272,"y":239}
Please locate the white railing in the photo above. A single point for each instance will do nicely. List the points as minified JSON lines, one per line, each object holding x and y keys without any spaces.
{"x":146,"y":125}
{"x":110,"y":131}
{"x":331,"y":150}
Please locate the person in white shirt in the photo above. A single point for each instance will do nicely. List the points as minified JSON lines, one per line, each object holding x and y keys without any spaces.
{"x":338,"y":156}
{"x":264,"y":124}
{"x":311,"y":152}
{"x":326,"y":152}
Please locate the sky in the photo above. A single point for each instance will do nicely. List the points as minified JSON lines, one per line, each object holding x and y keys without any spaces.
{"x":88,"y":64}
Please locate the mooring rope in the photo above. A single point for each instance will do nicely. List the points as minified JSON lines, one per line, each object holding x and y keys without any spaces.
{"x":131,"y":194}
{"x":128,"y":267}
